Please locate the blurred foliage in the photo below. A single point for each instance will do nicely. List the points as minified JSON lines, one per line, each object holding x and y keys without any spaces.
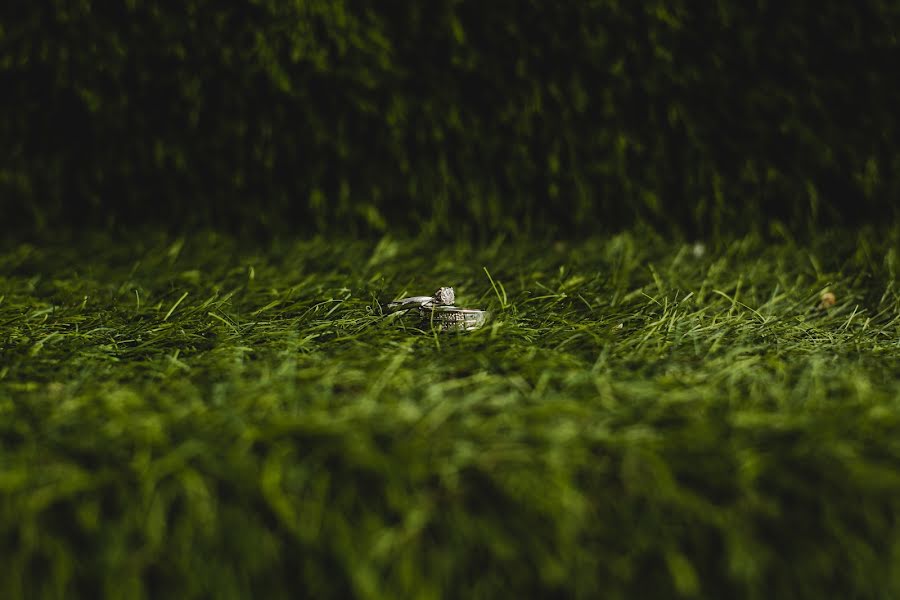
{"x":362,"y":115}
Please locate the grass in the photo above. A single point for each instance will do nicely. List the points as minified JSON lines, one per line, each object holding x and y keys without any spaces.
{"x":198,"y":417}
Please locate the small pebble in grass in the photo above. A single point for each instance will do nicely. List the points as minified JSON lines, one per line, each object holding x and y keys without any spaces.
{"x":828,"y":299}
{"x":698,"y":250}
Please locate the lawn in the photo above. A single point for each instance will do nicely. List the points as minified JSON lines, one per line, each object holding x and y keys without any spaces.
{"x":201,"y":417}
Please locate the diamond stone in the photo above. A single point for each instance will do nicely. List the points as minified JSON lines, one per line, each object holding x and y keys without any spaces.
{"x":444,"y":296}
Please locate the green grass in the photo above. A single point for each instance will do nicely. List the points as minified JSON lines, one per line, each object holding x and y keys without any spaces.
{"x":199,"y":417}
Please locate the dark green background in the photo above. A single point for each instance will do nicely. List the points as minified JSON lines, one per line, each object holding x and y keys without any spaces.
{"x":359,"y":115}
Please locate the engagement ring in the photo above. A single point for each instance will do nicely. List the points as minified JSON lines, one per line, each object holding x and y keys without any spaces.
{"x":439,"y":310}
{"x":443,"y":297}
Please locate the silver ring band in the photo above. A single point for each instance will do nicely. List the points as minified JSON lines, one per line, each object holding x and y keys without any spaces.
{"x":411,"y":302}
{"x":442,"y":297}
{"x":452,"y":317}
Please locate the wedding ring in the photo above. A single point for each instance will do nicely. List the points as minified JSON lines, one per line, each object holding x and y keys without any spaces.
{"x":438,"y":310}
{"x":455,"y":318}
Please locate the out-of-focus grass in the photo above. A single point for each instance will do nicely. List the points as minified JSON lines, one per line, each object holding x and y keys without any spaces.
{"x":194,"y":417}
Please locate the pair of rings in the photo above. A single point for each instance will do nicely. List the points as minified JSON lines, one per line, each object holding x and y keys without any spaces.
{"x":439,"y":310}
